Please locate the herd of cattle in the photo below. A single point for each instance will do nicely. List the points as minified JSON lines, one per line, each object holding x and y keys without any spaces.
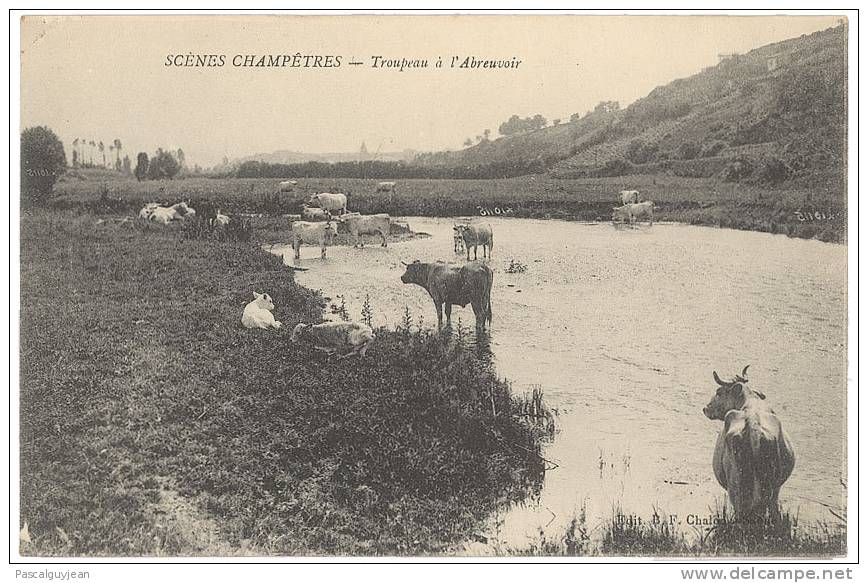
{"x":753,"y":456}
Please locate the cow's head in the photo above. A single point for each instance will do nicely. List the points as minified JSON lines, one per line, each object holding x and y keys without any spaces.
{"x":263,"y":301}
{"x":459,"y":228}
{"x":415,"y":272}
{"x":331,"y":228}
{"x":298,"y":332}
{"x":730,"y":395}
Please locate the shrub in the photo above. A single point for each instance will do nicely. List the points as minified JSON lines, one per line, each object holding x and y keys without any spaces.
{"x":614,"y":167}
{"x":43,"y":160}
{"x":738,"y":169}
{"x":712,"y":149}
{"x":773,"y":171}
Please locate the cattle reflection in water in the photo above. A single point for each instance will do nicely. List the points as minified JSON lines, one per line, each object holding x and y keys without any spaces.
{"x":450,"y":285}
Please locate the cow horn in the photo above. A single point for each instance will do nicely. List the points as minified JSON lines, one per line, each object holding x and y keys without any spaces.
{"x":717,"y":379}
{"x":404,"y":263}
{"x":744,"y":372}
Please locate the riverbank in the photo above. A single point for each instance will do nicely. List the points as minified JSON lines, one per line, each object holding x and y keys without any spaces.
{"x":795,"y":211}
{"x":152,"y":423}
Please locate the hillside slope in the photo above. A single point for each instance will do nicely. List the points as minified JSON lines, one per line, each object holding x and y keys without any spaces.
{"x":777,"y":113}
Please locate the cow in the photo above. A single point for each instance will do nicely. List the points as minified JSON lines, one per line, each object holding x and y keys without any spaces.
{"x":629,"y":197}
{"x":287,"y":185}
{"x":164,"y":215}
{"x":306,"y":232}
{"x":450,"y":285}
{"x":457,"y":242}
{"x":334,"y":203}
{"x":642,"y":210}
{"x":220,"y":219}
{"x":149,"y":208}
{"x":386,"y":187}
{"x":333,"y":336}
{"x":183,"y":209}
{"x":753,"y":456}
{"x":314,"y":213}
{"x":366,"y":225}
{"x":621,"y":213}
{"x":257,"y":314}
{"x":475,"y":234}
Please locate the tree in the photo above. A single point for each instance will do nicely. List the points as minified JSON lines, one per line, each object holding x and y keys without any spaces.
{"x":102,"y":151}
{"x":468,"y":142}
{"x":486,"y":134}
{"x":118,"y":146}
{"x":75,"y":155}
{"x":127,"y":165}
{"x":556,"y":122}
{"x":163,"y":165}
{"x":182,"y":161}
{"x":43,"y":160}
{"x":575,"y":117}
{"x":142,"y":165}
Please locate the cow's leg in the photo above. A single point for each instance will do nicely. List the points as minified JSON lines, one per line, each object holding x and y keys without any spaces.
{"x":468,"y":251}
{"x":448,"y":308}
{"x":475,"y":252}
{"x":322,"y":253}
{"x":296,"y":245}
{"x":438,"y":306}
{"x":385,"y":243}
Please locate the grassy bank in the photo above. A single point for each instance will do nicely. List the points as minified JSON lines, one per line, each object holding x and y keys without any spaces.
{"x":795,"y":211}
{"x":152,"y":423}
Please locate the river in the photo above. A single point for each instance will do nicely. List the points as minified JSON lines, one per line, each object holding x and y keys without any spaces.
{"x":622,"y":328}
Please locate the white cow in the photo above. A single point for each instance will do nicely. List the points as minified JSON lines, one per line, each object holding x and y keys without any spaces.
{"x":287,"y":185}
{"x":641,"y":211}
{"x":333,"y":336}
{"x":313,"y":213}
{"x":629,"y":196}
{"x":183,"y":209}
{"x":257,"y":314}
{"x":149,"y":208}
{"x":366,"y":225}
{"x":334,"y":203}
{"x":221,"y":219}
{"x":311,"y":233}
{"x":164,"y":215}
{"x":386,"y":186}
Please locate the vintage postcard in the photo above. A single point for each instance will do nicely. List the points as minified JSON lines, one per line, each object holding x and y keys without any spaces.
{"x":429,"y":285}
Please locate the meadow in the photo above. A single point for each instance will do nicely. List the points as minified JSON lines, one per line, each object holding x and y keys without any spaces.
{"x":152,"y":423}
{"x":798,"y":212}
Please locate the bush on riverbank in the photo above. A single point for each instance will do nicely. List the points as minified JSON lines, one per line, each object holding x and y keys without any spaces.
{"x":143,"y":399}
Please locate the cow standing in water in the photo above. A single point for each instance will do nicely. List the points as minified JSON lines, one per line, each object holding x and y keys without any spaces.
{"x":476,"y":234}
{"x":753,"y":456}
{"x":450,"y":285}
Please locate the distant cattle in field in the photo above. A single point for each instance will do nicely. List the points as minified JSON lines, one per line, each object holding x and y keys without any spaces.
{"x":149,"y":208}
{"x":753,"y":456}
{"x":220,"y":219}
{"x":312,"y":233}
{"x":334,"y":336}
{"x":475,"y":234}
{"x":287,"y":185}
{"x":335,"y":203}
{"x":629,"y":197}
{"x":314,"y":213}
{"x":164,"y":215}
{"x":257,"y":314}
{"x":631,"y":213}
{"x":450,"y":285}
{"x":386,"y":186}
{"x":358,"y":225}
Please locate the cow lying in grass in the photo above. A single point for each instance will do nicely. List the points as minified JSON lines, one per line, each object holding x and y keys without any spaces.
{"x":257,"y":314}
{"x":333,"y":336}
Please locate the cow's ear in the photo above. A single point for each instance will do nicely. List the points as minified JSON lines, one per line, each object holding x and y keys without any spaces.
{"x":760,"y":394}
{"x":256,"y":296}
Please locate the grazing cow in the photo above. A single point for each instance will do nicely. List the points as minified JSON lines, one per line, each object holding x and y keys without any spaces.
{"x":475,"y":234}
{"x":257,"y":314}
{"x":334,"y":203}
{"x":149,"y":208}
{"x":629,"y":197}
{"x":333,"y":336}
{"x":306,"y":232}
{"x":753,"y":456}
{"x":366,"y":225}
{"x":452,"y":285}
{"x":313,"y":213}
{"x":183,"y":209}
{"x":642,"y":210}
{"x":287,"y":185}
{"x":386,"y":186}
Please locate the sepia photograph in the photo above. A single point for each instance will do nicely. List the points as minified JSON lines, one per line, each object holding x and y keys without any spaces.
{"x":425,"y":285}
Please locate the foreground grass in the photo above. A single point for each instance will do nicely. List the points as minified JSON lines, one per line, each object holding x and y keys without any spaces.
{"x":152,"y":423}
{"x":798,"y":211}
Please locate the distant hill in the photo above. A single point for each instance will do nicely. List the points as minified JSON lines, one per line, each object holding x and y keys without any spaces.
{"x":291,"y":157}
{"x":776,"y":113}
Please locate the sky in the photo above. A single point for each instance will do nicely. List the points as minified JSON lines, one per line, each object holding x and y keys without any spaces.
{"x":105,"y":77}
